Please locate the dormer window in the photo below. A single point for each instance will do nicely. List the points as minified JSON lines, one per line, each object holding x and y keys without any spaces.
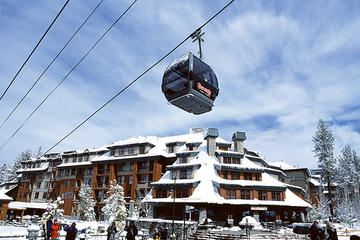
{"x":142,"y":149}
{"x":86,"y":158}
{"x":80,"y":158}
{"x":112,"y":152}
{"x":173,"y":175}
{"x":74,"y":159}
{"x":122,"y":151}
{"x":183,"y":159}
{"x":170,"y":148}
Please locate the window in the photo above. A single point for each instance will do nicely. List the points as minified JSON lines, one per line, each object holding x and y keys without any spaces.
{"x":131,"y":166}
{"x":67,"y":172}
{"x":20,"y":195}
{"x":131,"y":150}
{"x":88,"y":182}
{"x":63,"y":195}
{"x":263,"y":195}
{"x":116,"y":152}
{"x":37,"y":165}
{"x":130,"y":179}
{"x":258,"y":176}
{"x":225,"y":174}
{"x":73,"y":171}
{"x":227,"y":160}
{"x":74,"y":159}
{"x":38,"y":184}
{"x":188,"y":173}
{"x":70,"y":195}
{"x":161,"y":193}
{"x":89,"y":171}
{"x":65,"y":183}
{"x":46,"y":184}
{"x":245,"y":194}
{"x":80,"y":159}
{"x":182,"y":193}
{"x":275,"y":196}
{"x":44,"y":196}
{"x":86,"y":158}
{"x":36,"y":195}
{"x":25,"y":194}
{"x":112,"y":152}
{"x":121,"y":167}
{"x":142,"y":149}
{"x":230,"y":194}
{"x":182,"y":174}
{"x":236,"y":160}
{"x":143,"y":165}
{"x":122,"y":151}
{"x":247,"y":176}
{"x":235,"y":175}
{"x":122,"y":180}
{"x":171,"y":148}
{"x":142,"y":178}
{"x":183,"y":159}
{"x":72,"y":183}
{"x":173,"y":175}
{"x":33,"y":165}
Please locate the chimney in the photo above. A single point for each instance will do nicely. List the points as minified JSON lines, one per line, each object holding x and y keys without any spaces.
{"x":239,"y":138}
{"x":211,"y":135}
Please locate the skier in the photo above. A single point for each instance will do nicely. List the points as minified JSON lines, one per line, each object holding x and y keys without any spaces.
{"x":131,"y":231}
{"x":332,"y":235}
{"x":82,"y":235}
{"x":156,"y":234}
{"x":55,"y":228}
{"x":314,"y":231}
{"x":71,"y":232}
{"x":111,"y":231}
{"x":47,"y":228}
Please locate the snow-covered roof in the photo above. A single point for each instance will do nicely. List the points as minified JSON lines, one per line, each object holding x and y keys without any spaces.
{"x":26,"y":205}
{"x":207,"y":180}
{"x":281,"y":164}
{"x":3,"y":196}
{"x":74,"y":164}
{"x":42,"y":168}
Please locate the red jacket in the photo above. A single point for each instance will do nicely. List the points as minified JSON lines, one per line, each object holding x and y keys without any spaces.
{"x":55,"y":230}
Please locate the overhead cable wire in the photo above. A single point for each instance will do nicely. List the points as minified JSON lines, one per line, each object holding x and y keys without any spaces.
{"x":27,"y":59}
{"x":77,"y":64}
{"x":136,"y":79}
{"x":49,"y":65}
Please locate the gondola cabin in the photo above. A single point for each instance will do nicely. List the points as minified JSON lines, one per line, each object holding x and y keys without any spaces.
{"x":190,"y":84}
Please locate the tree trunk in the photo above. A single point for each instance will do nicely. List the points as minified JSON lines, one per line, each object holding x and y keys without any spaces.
{"x":330,"y":199}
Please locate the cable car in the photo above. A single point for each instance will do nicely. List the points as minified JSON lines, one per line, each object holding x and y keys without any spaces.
{"x":190,"y":84}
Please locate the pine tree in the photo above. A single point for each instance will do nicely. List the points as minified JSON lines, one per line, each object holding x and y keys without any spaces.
{"x":324,"y":151}
{"x":114,"y":209}
{"x":348,"y":204}
{"x":86,"y":204}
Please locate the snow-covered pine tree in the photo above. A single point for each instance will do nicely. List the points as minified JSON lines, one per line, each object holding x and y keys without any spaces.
{"x":3,"y":172}
{"x":324,"y":151}
{"x":53,"y":210}
{"x":114,"y":209}
{"x":348,"y":204}
{"x":86,"y":204}
{"x":320,"y":211}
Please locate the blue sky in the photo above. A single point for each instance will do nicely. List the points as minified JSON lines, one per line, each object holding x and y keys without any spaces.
{"x":281,"y":66}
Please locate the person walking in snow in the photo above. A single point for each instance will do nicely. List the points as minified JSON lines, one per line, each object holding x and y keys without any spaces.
{"x":332,"y":234}
{"x":55,"y":228}
{"x":156,"y":234}
{"x":131,"y":231}
{"x":47,"y":228}
{"x":111,"y":231}
{"x":314,"y":231}
{"x":71,"y":232}
{"x":82,"y":235}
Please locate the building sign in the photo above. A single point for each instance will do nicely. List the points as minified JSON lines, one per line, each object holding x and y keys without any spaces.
{"x":257,"y":208}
